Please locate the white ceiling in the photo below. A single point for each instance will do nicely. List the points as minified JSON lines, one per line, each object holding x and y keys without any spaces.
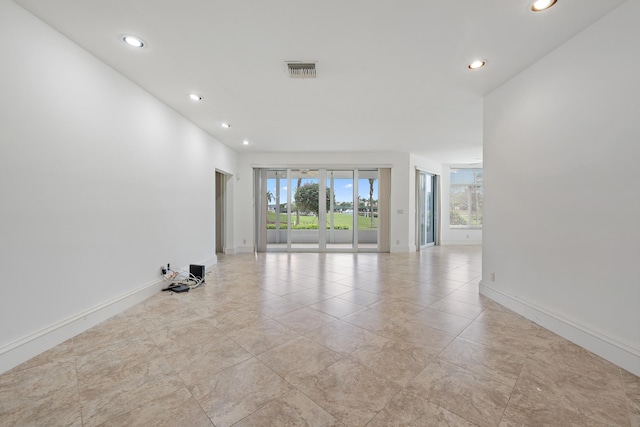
{"x":391,"y":74}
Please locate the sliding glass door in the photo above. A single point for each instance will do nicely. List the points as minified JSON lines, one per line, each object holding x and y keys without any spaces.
{"x":277,"y":196}
{"x":340,"y":214}
{"x":320,"y":209}
{"x":305,"y":213}
{"x":426,"y":209}
{"x":368,"y":209}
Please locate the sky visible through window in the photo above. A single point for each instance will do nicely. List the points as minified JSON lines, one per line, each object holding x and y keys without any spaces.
{"x":343,"y":188}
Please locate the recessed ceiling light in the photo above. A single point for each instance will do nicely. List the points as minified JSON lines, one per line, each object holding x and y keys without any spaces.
{"x":245,"y":142}
{"x":225,"y":125}
{"x":133,"y":41}
{"x":540,"y":5}
{"x":195,"y":97}
{"x":478,"y":63}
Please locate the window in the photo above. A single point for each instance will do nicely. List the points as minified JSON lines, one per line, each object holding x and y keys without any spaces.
{"x":466,"y":193}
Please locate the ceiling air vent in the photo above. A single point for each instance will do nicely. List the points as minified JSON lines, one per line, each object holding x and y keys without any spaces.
{"x":302,"y":70}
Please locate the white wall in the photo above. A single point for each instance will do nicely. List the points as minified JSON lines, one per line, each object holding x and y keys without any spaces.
{"x":455,"y":236}
{"x":562,"y":198}
{"x":100,"y":185}
{"x":401,"y":184}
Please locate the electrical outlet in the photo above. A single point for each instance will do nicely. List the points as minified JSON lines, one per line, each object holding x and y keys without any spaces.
{"x":244,"y":242}
{"x":493,"y":277}
{"x":397,"y":242}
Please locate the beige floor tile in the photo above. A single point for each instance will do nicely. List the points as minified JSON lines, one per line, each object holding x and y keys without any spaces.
{"x":631,"y":385}
{"x":152,"y":323}
{"x":107,"y":333}
{"x":507,"y":317}
{"x":277,"y":307}
{"x":400,"y":328}
{"x":308,"y":297}
{"x":263,"y":336}
{"x":327,"y":274}
{"x":283,"y":288}
{"x":126,"y":389}
{"x":25,"y":386}
{"x":174,"y":338}
{"x":444,"y":283}
{"x":504,"y":337}
{"x":311,"y":281}
{"x":238,"y":319}
{"x":473,"y":287}
{"x":336,"y":307}
{"x":437,"y":290}
{"x":60,"y":408}
{"x":494,"y":364}
{"x":217,"y":308}
{"x":299,"y":359}
{"x":410,"y":409}
{"x":206,"y":358}
{"x":361,"y":297}
{"x":350,"y":392}
{"x":340,"y":336}
{"x":175,"y":409}
{"x":369,"y":286}
{"x":231,"y":395}
{"x":470,"y":396}
{"x":334,"y":289}
{"x":470,"y":311}
{"x":461,"y":275}
{"x":522,"y":411}
{"x":604,"y":402}
{"x":471,"y":298}
{"x":442,"y":321}
{"x":564,"y":355}
{"x":369,"y":319}
{"x":304,"y":320}
{"x":396,"y":361}
{"x":122,"y":354}
{"x":392,"y":306}
{"x":416,"y":332}
{"x":414,"y":295}
{"x":291,"y":409}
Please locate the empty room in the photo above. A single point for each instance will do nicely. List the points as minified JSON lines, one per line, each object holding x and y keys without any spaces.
{"x":362,"y":213}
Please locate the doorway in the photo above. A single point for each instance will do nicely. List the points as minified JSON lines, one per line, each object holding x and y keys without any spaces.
{"x":426,"y":212}
{"x":221,"y":207}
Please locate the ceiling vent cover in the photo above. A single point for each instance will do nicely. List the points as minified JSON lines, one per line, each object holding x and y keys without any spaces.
{"x":302,"y":70}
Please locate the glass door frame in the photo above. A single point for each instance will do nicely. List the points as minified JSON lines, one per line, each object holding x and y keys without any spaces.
{"x":322,"y":210}
{"x":435,"y":205}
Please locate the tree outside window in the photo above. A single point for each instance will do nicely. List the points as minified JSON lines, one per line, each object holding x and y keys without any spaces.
{"x":466,"y":198}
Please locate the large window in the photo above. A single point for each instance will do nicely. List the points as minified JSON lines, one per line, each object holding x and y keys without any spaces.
{"x":466,"y":198}
{"x":322,"y":209}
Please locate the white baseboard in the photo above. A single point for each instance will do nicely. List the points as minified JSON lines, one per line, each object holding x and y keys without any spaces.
{"x":397,"y":249}
{"x":461,"y":242}
{"x":240,"y":250}
{"x":616,"y":352}
{"x":17,"y":352}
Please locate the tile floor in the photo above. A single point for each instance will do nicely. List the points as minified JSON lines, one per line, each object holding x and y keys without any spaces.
{"x":322,"y":340}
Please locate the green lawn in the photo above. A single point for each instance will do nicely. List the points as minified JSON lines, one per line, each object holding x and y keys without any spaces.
{"x":339,"y":219}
